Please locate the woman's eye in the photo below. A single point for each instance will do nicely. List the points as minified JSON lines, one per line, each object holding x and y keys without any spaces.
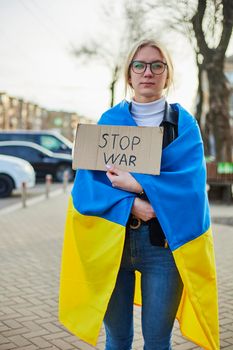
{"x":139,"y":65}
{"x":157,"y":65}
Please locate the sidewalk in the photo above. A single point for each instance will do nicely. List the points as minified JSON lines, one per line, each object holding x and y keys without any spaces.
{"x":30,"y":252}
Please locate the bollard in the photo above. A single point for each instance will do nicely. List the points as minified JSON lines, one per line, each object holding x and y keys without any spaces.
{"x":65,"y":180}
{"x":48,"y":182}
{"x":24,"y":194}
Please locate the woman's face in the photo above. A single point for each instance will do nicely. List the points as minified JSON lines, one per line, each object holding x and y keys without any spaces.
{"x":148,"y":86}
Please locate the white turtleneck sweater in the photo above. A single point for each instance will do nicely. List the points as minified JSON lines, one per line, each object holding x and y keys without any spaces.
{"x":148,"y":114}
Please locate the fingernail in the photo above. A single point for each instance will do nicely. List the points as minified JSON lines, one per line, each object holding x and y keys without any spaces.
{"x":108,"y":166}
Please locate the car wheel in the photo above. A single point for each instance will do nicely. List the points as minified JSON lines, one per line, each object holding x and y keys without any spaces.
{"x":61,"y":171}
{"x":6,"y":186}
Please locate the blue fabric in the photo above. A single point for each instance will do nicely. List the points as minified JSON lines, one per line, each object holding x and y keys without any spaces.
{"x":161,"y":292}
{"x":118,"y":115}
{"x":93,"y":195}
{"x":178,"y":194}
{"x":92,"y":191}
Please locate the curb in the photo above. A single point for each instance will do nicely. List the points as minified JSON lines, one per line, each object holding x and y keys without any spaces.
{"x":32,"y":201}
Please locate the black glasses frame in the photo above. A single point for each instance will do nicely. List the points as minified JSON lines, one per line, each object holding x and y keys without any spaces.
{"x":150,"y":64}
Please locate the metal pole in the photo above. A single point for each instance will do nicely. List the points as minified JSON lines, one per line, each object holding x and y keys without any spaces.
{"x":24,"y":194}
{"x":65,"y":180}
{"x":48,"y":182}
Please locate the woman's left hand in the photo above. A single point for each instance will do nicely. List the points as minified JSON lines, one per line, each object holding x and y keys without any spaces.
{"x":123,"y":180}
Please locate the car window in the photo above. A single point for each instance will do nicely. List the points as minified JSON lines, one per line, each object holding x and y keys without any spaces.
{"x":51,"y":143}
{"x":17,"y":137}
{"x":9,"y":151}
{"x":4,"y":137}
{"x":25,"y":137}
{"x":28,"y":153}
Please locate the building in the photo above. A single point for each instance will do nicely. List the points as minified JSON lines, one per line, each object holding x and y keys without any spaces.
{"x":16,"y":113}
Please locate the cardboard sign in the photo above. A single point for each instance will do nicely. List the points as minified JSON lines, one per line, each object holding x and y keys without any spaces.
{"x":129,"y":148}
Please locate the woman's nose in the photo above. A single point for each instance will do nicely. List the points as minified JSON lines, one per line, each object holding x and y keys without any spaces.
{"x":148,"y":71}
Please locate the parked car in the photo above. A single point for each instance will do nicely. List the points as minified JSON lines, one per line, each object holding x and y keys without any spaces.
{"x":13,"y":172}
{"x":51,"y":140}
{"x":43,"y":161}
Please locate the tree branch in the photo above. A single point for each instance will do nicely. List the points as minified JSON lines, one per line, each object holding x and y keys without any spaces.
{"x":197,"y":21}
{"x":227,"y":26}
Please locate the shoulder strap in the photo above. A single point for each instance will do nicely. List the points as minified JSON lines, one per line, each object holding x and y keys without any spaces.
{"x":170,"y":124}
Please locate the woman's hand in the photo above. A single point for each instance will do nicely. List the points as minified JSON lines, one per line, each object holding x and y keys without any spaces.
{"x":123,"y":180}
{"x":142,"y":210}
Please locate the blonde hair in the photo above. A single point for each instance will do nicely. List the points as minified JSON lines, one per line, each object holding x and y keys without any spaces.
{"x":164,"y":52}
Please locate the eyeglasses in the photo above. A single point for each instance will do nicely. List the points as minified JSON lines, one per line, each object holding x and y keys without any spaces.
{"x":156,"y":67}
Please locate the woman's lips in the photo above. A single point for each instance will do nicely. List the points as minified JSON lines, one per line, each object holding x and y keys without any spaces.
{"x":147,"y":83}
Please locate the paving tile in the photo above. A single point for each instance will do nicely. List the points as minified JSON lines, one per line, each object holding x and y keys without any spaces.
{"x":29,"y":347}
{"x":40,"y":342}
{"x":3,"y":339}
{"x":8,"y":346}
{"x":11,"y":332}
{"x":63,"y":345}
{"x":19,"y":340}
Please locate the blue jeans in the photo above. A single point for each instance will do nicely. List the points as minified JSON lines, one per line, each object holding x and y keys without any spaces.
{"x":161,"y":287}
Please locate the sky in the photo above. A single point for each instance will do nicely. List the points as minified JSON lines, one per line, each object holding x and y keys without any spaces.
{"x":36,"y":63}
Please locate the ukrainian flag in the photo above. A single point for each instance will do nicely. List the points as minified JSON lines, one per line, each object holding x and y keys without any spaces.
{"x":95,"y":232}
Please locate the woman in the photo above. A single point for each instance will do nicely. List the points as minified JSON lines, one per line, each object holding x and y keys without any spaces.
{"x":167,"y":228}
{"x":149,"y":73}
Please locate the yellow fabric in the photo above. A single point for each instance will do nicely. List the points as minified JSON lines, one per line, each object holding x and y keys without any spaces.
{"x":198,"y":310}
{"x":90,"y":263}
{"x":138,"y":294}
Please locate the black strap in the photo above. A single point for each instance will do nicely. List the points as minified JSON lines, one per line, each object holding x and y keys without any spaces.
{"x":170,"y":124}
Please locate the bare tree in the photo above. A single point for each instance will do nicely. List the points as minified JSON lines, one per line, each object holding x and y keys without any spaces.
{"x":111,"y":47}
{"x":212,"y":24}
{"x":208,"y":26}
